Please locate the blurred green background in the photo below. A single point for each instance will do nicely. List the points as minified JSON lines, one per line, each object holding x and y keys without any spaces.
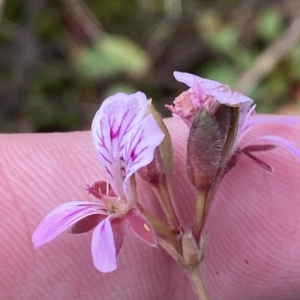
{"x":60,"y":58}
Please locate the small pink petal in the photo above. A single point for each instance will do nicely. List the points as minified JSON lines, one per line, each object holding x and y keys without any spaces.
{"x":103,"y":247}
{"x":280,"y":142}
{"x":118,"y":226}
{"x":141,"y":227}
{"x":61,"y":218}
{"x":181,"y":112}
{"x":183,"y":105}
{"x":188,"y":103}
{"x":223,"y":93}
{"x":86,"y":224}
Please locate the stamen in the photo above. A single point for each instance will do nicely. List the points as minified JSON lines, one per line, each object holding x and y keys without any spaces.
{"x":107,"y":188}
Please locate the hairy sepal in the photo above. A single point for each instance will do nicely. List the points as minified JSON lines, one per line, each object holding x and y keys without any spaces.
{"x":209,"y":146}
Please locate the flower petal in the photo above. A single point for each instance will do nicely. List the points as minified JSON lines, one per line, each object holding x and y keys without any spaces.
{"x":244,"y":110}
{"x":280,"y":142}
{"x":103,"y":247}
{"x":61,"y":218}
{"x":139,"y":148}
{"x":111,"y":125}
{"x":223,"y":93}
{"x":118,"y":226}
{"x":141,"y":227}
{"x":86,"y":224}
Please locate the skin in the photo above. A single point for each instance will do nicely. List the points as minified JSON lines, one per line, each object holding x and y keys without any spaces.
{"x":253,"y":228}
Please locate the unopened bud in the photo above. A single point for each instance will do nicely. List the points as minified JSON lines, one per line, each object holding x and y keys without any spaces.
{"x":210,"y":140}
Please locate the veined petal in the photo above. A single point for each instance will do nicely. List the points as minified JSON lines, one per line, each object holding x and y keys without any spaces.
{"x":111,"y":125}
{"x":280,"y":142}
{"x":244,"y":110}
{"x":103,"y":247}
{"x":140,"y":145}
{"x":141,"y":227}
{"x":223,"y":93}
{"x":61,"y":218}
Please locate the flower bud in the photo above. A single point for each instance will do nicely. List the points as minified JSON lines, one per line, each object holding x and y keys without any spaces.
{"x":210,"y":140}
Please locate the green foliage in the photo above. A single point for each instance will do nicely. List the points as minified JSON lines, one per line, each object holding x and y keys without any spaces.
{"x":294,"y":57}
{"x":269,"y":24}
{"x":53,"y":68}
{"x":223,"y":37}
{"x":119,"y":88}
{"x":221,"y":72}
{"x":110,"y":56}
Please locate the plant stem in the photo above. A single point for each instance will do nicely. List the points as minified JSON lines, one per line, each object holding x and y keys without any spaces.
{"x":200,"y":210}
{"x":163,"y":196}
{"x":197,"y":283}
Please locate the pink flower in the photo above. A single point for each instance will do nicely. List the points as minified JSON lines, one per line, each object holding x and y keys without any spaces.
{"x":206,"y":94}
{"x":125,"y":139}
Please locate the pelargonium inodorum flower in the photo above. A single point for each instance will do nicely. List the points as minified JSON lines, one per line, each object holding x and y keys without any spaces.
{"x":125,"y":138}
{"x":203,"y":108}
{"x":213,"y":112}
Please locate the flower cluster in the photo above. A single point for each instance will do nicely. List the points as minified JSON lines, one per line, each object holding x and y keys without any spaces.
{"x":130,"y":138}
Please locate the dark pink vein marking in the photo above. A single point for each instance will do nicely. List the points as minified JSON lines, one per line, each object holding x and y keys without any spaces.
{"x":101,"y":140}
{"x":126,"y":128}
{"x":108,"y":172}
{"x":133,"y":153}
{"x":105,"y":158}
